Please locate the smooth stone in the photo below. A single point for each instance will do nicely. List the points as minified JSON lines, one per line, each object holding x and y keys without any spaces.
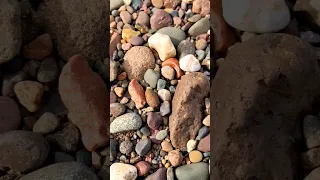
{"x":311,"y":7}
{"x":199,"y":171}
{"x":206,"y":121}
{"x":126,"y":122}
{"x":195,"y":156}
{"x":166,"y":146}
{"x":48,"y":71}
{"x":202,"y":132}
{"x":201,"y":54}
{"x":175,"y":157}
{"x":117,"y":109}
{"x":113,"y":149}
{"x":143,"y":147}
{"x":201,"y":44}
{"x":143,"y":19}
{"x":168,"y":72}
{"x":160,"y":174}
{"x":126,"y":17}
{"x":128,"y":33}
{"x":123,"y":171}
{"x":185,"y":47}
{"x":9,"y":114}
{"x":152,"y":98}
{"x":170,"y":173}
{"x":201,"y":7}
{"x":256,"y":17}
{"x":191,"y":145}
{"x":136,"y":4}
{"x":161,"y":84}
{"x":126,"y":147}
{"x":154,"y":120}
{"x":136,"y":41}
{"x":9,"y":81}
{"x":137,"y":94}
{"x":151,"y":77}
{"x":165,"y":108}
{"x":200,"y":27}
{"x":310,"y":36}
{"x":164,"y":95}
{"x":47,"y":123}
{"x":176,"y":34}
{"x":115,"y":4}
{"x":311,"y":131}
{"x":39,"y":48}
{"x":84,"y":156}
{"x":163,"y":45}
{"x":145,"y":131}
{"x":143,"y":168}
{"x":161,"y":135}
{"x":190,"y":63}
{"x":160,"y":19}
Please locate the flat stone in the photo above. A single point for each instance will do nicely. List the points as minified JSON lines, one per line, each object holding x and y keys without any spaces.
{"x":123,"y":171}
{"x":176,"y":34}
{"x":199,"y":171}
{"x":126,"y":122}
{"x":200,"y":27}
{"x":143,"y":147}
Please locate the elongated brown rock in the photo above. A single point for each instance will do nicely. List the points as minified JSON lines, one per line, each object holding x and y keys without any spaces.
{"x":85,"y":95}
{"x":187,"y":108}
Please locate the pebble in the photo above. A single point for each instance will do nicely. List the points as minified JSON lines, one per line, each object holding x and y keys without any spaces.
{"x":151,"y":77}
{"x":160,"y":19}
{"x":145,"y":131}
{"x":161,"y":135}
{"x":84,"y":156}
{"x":119,"y":91}
{"x":203,"y":131}
{"x":47,"y":123}
{"x":115,"y":4}
{"x":128,"y":33}
{"x":126,"y":17}
{"x":185,"y":47}
{"x":163,"y":45}
{"x":39,"y":48}
{"x":143,"y":168}
{"x":123,"y":171}
{"x":198,"y":171}
{"x":126,"y":122}
{"x":28,"y":122}
{"x":31,"y":68}
{"x":136,"y":4}
{"x":165,"y":108}
{"x":174,"y":63}
{"x":170,"y":173}
{"x":166,"y":146}
{"x":137,"y":94}
{"x":175,"y":158}
{"x":176,"y":34}
{"x":200,"y":27}
{"x":127,"y":2}
{"x":117,"y":109}
{"x":201,"y":7}
{"x":157,"y":3}
{"x":126,"y":147}
{"x":29,"y":94}
{"x":160,"y":174}
{"x":195,"y":156}
{"x":168,"y":72}
{"x":191,"y":145}
{"x":9,"y":114}
{"x":143,"y":19}
{"x":194,"y":18}
{"x":113,"y":149}
{"x":206,"y":121}
{"x":136,"y":40}
{"x":311,"y":131}
{"x":48,"y":71}
{"x":201,"y":44}
{"x":190,"y":63}
{"x":161,"y":84}
{"x":201,"y":55}
{"x":152,"y":98}
{"x":172,"y":4}
{"x":154,"y":120}
{"x":143,"y":147}
{"x":310,"y":36}
{"x":164,"y":95}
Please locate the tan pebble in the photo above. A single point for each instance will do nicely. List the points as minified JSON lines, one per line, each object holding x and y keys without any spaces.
{"x":167,"y":165}
{"x":191,"y":145}
{"x":168,"y":72}
{"x":206,"y":121}
{"x":163,"y":161}
{"x":166,"y":146}
{"x":175,"y":157}
{"x":122,"y":76}
{"x":127,"y":34}
{"x":157,"y":3}
{"x":195,"y":156}
{"x":152,"y":98}
{"x":119,"y":91}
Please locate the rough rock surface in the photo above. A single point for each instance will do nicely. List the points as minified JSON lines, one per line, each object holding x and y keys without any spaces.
{"x":185,"y":120}
{"x":258,"y":94}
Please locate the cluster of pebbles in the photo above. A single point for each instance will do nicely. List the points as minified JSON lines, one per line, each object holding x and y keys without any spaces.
{"x":159,"y":97}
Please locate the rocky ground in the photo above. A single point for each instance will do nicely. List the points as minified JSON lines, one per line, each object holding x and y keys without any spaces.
{"x":159,"y":98}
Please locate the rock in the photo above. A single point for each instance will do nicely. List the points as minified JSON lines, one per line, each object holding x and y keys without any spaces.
{"x":157,"y":3}
{"x":137,"y":61}
{"x":152,"y":98}
{"x":175,"y":157}
{"x":88,"y":107}
{"x":191,"y":145}
{"x":123,"y":171}
{"x":160,"y":19}
{"x":145,"y":131}
{"x":9,"y":114}
{"x":128,"y":34}
{"x":203,"y":131}
{"x":160,"y":174}
{"x":154,"y":120}
{"x":48,"y":71}
{"x":126,"y":147}
{"x":47,"y":123}
{"x":200,"y":27}
{"x":136,"y":4}
{"x":204,"y":144}
{"x":39,"y":48}
{"x":113,"y":149}
{"x":164,"y":95}
{"x":63,"y":170}
{"x":9,"y":81}
{"x":137,"y":94}
{"x":143,"y":19}
{"x":29,"y":94}
{"x":166,"y":146}
{"x":96,"y":160}
{"x":143,"y":168}
{"x":201,"y":44}
{"x":174,"y":63}
{"x":28,"y":122}
{"x":170,"y":174}
{"x":78,"y":32}
{"x":163,"y":45}
{"x":126,"y":122}
{"x":143,"y":147}
{"x":312,"y":8}
{"x":314,"y":174}
{"x":168,"y":72}
{"x":23,"y":151}
{"x":62,"y":157}
{"x":256,"y":17}
{"x":190,"y":63}
{"x":176,"y":34}
{"x":136,"y":41}
{"x":271,"y":104}
{"x":114,"y":40}
{"x":171,"y":3}
{"x":126,"y":17}
{"x":195,"y":156}
{"x":151,"y":77}
{"x":53,"y":104}
{"x":117,"y":109}
{"x":66,"y":139}
{"x":201,"y":7}
{"x":197,"y":171}
{"x":161,"y":84}
{"x":114,"y":69}
{"x":206,"y":121}
{"x":84,"y":156}
{"x":185,"y":47}
{"x":113,"y":97}
{"x":187,"y":108}
{"x":10,"y":30}
{"x":165,"y":108}
{"x":31,"y":68}
{"x":311,"y":131}
{"x":310,"y":159}
{"x":115,"y":4}
{"x":161,"y":135}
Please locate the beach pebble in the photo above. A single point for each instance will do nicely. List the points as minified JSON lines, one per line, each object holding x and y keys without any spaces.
{"x":126,"y":17}
{"x":201,"y":44}
{"x":168,"y":72}
{"x":201,"y":7}
{"x":200,"y":27}
{"x":191,"y":145}
{"x":160,"y":19}
{"x":195,"y":156}
{"x":143,"y":168}
{"x":160,"y":174}
{"x":47,"y":123}
{"x":136,"y":40}
{"x":115,"y":4}
{"x":143,"y":19}
{"x":161,"y":135}
{"x":126,"y":122}
{"x":152,"y":98}
{"x":117,"y":109}
{"x":123,"y":171}
{"x":165,"y":108}
{"x":203,"y":131}
{"x":189,"y":63}
{"x":151,"y":77}
{"x":206,"y":121}
{"x":164,"y":95}
{"x":193,"y":171}
{"x":143,"y":147}
{"x":48,"y":71}
{"x":166,"y":146}
{"x":137,"y":94}
{"x":157,"y":3}
{"x":175,"y":157}
{"x":170,"y":173}
{"x":186,"y":47}
{"x":113,"y":149}
{"x":163,"y":45}
{"x":161,"y":84}
{"x":312,"y":8}
{"x":176,"y":34}
{"x":154,"y":120}
{"x":310,"y":36}
{"x":39,"y":48}
{"x":128,"y":33}
{"x":126,"y":147}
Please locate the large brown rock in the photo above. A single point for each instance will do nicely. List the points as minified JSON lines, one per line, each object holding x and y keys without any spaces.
{"x":86,"y":96}
{"x":258,"y":94}
{"x":187,"y":108}
{"x":78,"y":27}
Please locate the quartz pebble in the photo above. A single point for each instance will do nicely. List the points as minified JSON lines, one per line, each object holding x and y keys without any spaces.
{"x":123,"y":171}
{"x":190,"y":63}
{"x":163,"y":45}
{"x":164,"y":95}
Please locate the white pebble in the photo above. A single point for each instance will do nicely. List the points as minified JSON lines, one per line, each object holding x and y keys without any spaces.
{"x":164,"y":95}
{"x":190,"y":63}
{"x":163,"y":45}
{"x":191,"y":145}
{"x":123,"y":171}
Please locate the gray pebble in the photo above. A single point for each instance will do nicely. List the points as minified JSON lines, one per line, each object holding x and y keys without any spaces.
{"x":151,"y":77}
{"x":165,"y":108}
{"x":145,"y":131}
{"x":143,"y":147}
{"x":115,"y":13}
{"x":126,"y":122}
{"x":62,"y":157}
{"x":201,"y":54}
{"x":186,"y":47}
{"x":126,"y":147}
{"x":200,"y":27}
{"x":161,"y":135}
{"x":161,"y":84}
{"x":202,"y":132}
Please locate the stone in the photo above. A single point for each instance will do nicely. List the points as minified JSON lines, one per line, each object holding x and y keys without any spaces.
{"x":166,"y":146}
{"x":29,"y":94}
{"x":66,"y":139}
{"x":311,"y":131}
{"x":152,"y":98}
{"x":53,"y":104}
{"x":168,"y":72}
{"x":137,"y":61}
{"x":164,"y":95}
{"x":187,"y":108}
{"x":314,"y":174}
{"x":311,"y":37}
{"x":113,"y":149}
{"x":145,"y":131}
{"x":204,"y":144}
{"x":165,"y":108}
{"x":126,"y":122}
{"x":39,"y":48}
{"x":201,"y":44}
{"x":151,"y":77}
{"x":23,"y":151}
{"x":126,"y":17}
{"x":190,"y":63}
{"x":203,"y":131}
{"x":174,"y":63}
{"x":160,"y":174}
{"x":271,"y":104}
{"x":201,"y":7}
{"x":10,"y":30}
{"x":128,"y":33}
{"x":78,"y":32}
{"x":310,"y":158}
{"x":117,"y":109}
{"x":88,"y":107}
{"x":126,"y":147}
{"x":161,"y":135}
{"x":62,"y":170}
{"x":160,"y":19}
{"x":136,"y":4}
{"x":47,"y":123}
{"x":194,"y":18}
{"x":161,"y":84}
{"x":143,"y":19}
{"x":31,"y":68}
{"x":312,"y":8}
{"x":123,"y":171}
{"x":191,"y":145}
{"x":48,"y":71}
{"x":171,"y":3}
{"x":195,"y":156}
{"x":175,"y":158}
{"x":257,"y":17}
{"x":185,"y":47}
{"x":9,"y":81}
{"x":28,"y":122}
{"x":62,"y":157}
{"x":176,"y":34}
{"x":199,"y":171}
{"x":115,"y":4}
{"x":200,"y":27}
{"x":206,"y":121}
{"x":170,"y":173}
{"x":154,"y":120}
{"x":136,"y":41}
{"x":143,"y":168}
{"x":137,"y":94}
{"x":114,"y":40}
{"x":9,"y":114}
{"x":96,"y":160}
{"x":163,"y":45}
{"x":157,"y":3}
{"x":143,"y":147}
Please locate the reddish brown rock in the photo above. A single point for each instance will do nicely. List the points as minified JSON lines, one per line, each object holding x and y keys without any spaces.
{"x":39,"y":48}
{"x":187,"y":108}
{"x":143,"y":168}
{"x":204,"y":144}
{"x":160,"y":19}
{"x":115,"y":39}
{"x":201,"y":7}
{"x":86,"y":96}
{"x":171,"y":3}
{"x":137,"y":93}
